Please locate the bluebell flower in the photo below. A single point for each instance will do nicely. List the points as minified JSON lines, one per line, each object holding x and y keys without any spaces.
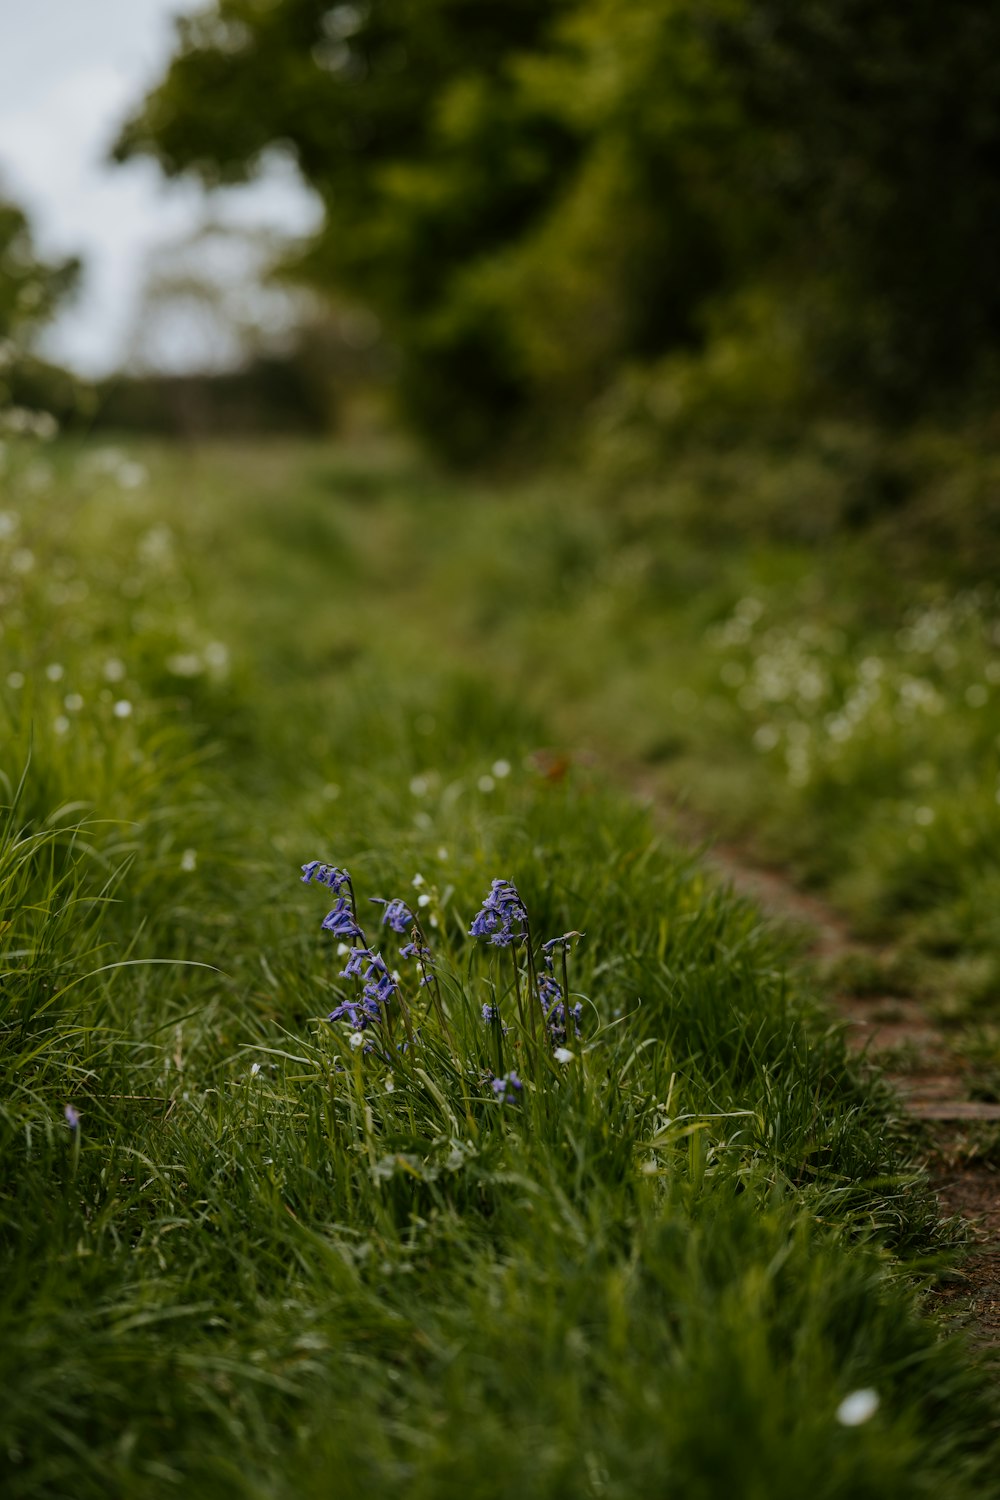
{"x":341,"y":920}
{"x":72,"y":1117}
{"x":413,"y":950}
{"x":356,"y":960}
{"x":350,"y":1011}
{"x":503,"y":917}
{"x":379,"y":985}
{"x":322,"y":874}
{"x":549,"y":990}
{"x":378,"y":988}
{"x":561,"y":944}
{"x":397,"y":914}
{"x":490,"y":1014}
{"x":507,"y":1088}
{"x":550,"y":993}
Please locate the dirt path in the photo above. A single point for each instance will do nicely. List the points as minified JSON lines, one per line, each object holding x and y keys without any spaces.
{"x":895,"y":1034}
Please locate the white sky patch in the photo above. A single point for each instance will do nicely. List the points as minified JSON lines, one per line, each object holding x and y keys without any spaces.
{"x":70,"y":73}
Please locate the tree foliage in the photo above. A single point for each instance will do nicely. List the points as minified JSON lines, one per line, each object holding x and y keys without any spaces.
{"x":535,"y":195}
{"x":30,"y":288}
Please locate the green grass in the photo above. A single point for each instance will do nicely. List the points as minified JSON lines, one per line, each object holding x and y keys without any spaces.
{"x":257,"y":1269}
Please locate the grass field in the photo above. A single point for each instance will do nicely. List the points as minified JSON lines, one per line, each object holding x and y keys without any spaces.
{"x":245,"y":1255}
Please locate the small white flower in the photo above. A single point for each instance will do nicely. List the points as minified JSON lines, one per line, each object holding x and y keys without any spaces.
{"x":418,"y":786}
{"x":563,"y":1055}
{"x":15,"y":680}
{"x":54,"y":671}
{"x":434,"y":921}
{"x":189,"y":860}
{"x":356,"y":1039}
{"x":254,"y":1069}
{"x":423,"y":899}
{"x":417,"y":881}
{"x":114,"y":669}
{"x":342,"y":948}
{"x":486,"y":783}
{"x":60,"y":724}
{"x":217,"y":655}
{"x":73,"y":703}
{"x":389,"y":1085}
{"x":122,"y":709}
{"x":442,"y":853}
{"x":185,"y":664}
{"x":131,"y":476}
{"x":500,"y":769}
{"x":858,"y":1407}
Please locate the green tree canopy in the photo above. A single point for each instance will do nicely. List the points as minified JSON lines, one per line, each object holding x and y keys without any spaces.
{"x":30,"y":288}
{"x":534,"y":194}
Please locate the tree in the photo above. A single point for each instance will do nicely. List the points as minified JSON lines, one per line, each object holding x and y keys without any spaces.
{"x":30,"y":288}
{"x":536,"y":194}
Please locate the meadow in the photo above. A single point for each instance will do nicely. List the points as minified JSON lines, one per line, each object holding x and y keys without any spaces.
{"x":251,"y":1251}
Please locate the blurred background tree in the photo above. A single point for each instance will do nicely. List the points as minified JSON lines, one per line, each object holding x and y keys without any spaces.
{"x":31,"y":289}
{"x":33,"y":392}
{"x":220,"y":344}
{"x":787,"y":200}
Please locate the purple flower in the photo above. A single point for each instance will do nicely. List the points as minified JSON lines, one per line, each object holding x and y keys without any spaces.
{"x":397,"y":914}
{"x":507,"y":1088}
{"x":377,"y":989}
{"x":323,"y":874}
{"x":553,"y":1004}
{"x":379,"y":985}
{"x":72,"y":1117}
{"x":356,"y":960}
{"x":490,"y":1014}
{"x":351,"y":1012}
{"x":549,"y":990}
{"x":503,"y":917}
{"x":341,"y":920}
{"x":561,"y":944}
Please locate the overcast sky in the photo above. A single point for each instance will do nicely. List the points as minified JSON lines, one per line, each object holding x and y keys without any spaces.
{"x":70,"y":70}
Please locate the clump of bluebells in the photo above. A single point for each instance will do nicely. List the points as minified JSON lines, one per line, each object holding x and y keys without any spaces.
{"x":379,"y":989}
{"x":507,"y":1088}
{"x":503,"y":918}
{"x":553,"y":994}
{"x":370,"y":1011}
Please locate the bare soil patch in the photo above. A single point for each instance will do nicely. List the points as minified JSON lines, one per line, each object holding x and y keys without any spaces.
{"x":896,"y":1035}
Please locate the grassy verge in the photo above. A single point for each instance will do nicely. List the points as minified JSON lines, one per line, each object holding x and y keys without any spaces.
{"x":255,"y":1259}
{"x":816,"y":670}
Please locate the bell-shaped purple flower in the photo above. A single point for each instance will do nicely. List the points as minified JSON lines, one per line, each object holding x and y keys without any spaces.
{"x":397,"y":914}
{"x":503,"y":917}
{"x":323,"y":874}
{"x":356,"y":960}
{"x":507,"y":1088}
{"x":341,"y":920}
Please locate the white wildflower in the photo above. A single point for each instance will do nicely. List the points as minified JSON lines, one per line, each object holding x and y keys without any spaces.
{"x":857,"y":1408}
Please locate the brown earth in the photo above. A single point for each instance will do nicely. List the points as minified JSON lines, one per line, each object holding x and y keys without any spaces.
{"x":897,"y":1035}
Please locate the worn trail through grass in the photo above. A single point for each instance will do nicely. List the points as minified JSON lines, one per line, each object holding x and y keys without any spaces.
{"x":440,"y":1245}
{"x":897,"y":1035}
